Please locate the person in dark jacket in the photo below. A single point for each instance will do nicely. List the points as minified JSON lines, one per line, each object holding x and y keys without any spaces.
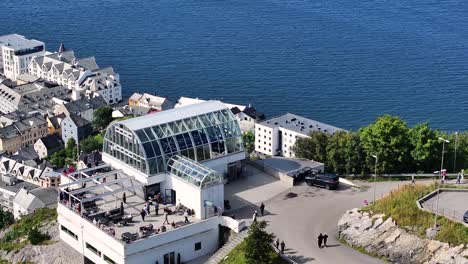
{"x":325,"y":237}
{"x":282,"y":247}
{"x":277,"y":243}
{"x":143,"y":214}
{"x":320,"y":240}
{"x":124,"y":198}
{"x":262,"y":208}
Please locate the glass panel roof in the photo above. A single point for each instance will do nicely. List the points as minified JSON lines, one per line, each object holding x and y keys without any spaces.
{"x":193,"y":172}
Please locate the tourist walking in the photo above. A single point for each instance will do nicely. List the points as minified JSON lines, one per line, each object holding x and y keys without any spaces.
{"x":121,"y":208}
{"x":156,"y":208}
{"x":325,"y":237}
{"x":143,"y":214}
{"x":254,"y":217}
{"x":282,"y":246}
{"x":166,"y":220}
{"x":320,"y":239}
{"x":186,"y":216}
{"x":459,"y":178}
{"x":277,"y":243}
{"x":412,"y":179}
{"x":124,"y":198}
{"x":262,"y":208}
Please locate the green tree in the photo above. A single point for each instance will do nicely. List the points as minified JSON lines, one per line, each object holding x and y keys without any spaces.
{"x":425,"y":147}
{"x":249,"y":141}
{"x":336,"y":152}
{"x":70,"y":150}
{"x":354,"y":155}
{"x":102,"y":117}
{"x":258,"y":244}
{"x":388,"y":138}
{"x":91,"y":143}
{"x":6,"y":219}
{"x":313,"y":147}
{"x":36,"y":237}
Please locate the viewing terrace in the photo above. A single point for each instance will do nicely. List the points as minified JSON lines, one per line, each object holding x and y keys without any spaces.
{"x":97,"y":195}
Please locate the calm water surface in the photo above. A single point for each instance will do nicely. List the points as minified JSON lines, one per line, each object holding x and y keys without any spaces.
{"x":343,"y":62}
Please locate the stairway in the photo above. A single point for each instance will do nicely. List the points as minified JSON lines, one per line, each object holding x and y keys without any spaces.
{"x":219,"y":255}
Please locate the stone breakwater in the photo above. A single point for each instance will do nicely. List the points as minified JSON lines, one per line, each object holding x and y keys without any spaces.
{"x":387,"y":240}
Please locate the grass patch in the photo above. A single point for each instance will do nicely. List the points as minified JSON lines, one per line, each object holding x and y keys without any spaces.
{"x":237,"y":256}
{"x":401,"y":206}
{"x":17,"y":237}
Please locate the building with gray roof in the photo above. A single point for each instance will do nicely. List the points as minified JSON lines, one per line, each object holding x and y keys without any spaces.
{"x":276,"y":136}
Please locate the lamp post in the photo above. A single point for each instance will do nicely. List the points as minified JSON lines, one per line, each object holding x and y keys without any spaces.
{"x":438,"y":189}
{"x":455,"y":154}
{"x":375,"y":174}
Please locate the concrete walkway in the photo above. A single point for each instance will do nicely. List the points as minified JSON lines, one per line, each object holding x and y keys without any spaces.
{"x":299,"y":220}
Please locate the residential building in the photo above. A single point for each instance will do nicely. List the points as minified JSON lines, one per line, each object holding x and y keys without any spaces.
{"x":76,"y":127}
{"x":23,"y":172}
{"x":130,"y":111}
{"x":27,"y":201}
{"x":31,"y":97}
{"x":186,"y":101}
{"x":48,"y":145}
{"x":9,"y":187}
{"x":89,"y":160}
{"x":206,"y":132}
{"x":247,"y":118}
{"x":16,"y":52}
{"x":150,"y":101}
{"x":53,"y":124}
{"x":84,"y":107}
{"x":22,"y":133}
{"x":83,"y":75}
{"x":277,"y":136}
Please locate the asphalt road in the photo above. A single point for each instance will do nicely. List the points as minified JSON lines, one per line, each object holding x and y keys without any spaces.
{"x":299,"y":220}
{"x":452,"y":204}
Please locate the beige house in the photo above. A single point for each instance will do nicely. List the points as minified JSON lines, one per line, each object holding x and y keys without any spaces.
{"x":22,"y":133}
{"x":150,"y":101}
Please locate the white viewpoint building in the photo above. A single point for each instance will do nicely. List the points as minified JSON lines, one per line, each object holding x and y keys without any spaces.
{"x":277,"y":136}
{"x":180,"y":153}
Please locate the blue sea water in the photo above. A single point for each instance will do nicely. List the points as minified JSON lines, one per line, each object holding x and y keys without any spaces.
{"x":342,"y":62}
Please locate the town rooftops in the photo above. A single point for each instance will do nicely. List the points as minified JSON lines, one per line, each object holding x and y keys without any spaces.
{"x":78,"y":120}
{"x":299,"y":124}
{"x":84,"y":104}
{"x":172,"y":115}
{"x":18,"y":42}
{"x":52,"y":141}
{"x":14,"y":188}
{"x":36,"y":198}
{"x":26,"y":77}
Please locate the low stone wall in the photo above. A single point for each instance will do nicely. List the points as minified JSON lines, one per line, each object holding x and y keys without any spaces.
{"x":387,"y":240}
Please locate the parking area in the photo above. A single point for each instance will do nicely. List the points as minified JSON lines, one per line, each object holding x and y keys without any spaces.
{"x":289,"y":164}
{"x":253,"y":188}
{"x":451,"y":204}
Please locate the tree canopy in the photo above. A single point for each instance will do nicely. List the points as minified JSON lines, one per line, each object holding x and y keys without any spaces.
{"x":258,"y":244}
{"x":102,"y":117}
{"x":249,"y":141}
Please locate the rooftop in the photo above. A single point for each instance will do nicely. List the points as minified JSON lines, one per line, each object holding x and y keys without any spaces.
{"x":172,"y":115}
{"x":102,"y":199}
{"x":18,"y":42}
{"x":16,"y":187}
{"x":299,"y":124}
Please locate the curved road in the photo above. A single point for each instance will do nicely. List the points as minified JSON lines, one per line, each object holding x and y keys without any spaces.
{"x":299,"y":220}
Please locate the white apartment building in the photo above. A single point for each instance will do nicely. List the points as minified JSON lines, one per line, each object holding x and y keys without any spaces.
{"x":277,"y":136}
{"x":82,"y":75}
{"x":16,"y":52}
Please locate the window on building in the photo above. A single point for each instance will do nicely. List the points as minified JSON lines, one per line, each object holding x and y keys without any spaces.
{"x":108,"y":260}
{"x":197,"y":246}
{"x":66,"y":230}
{"x":93,"y":249}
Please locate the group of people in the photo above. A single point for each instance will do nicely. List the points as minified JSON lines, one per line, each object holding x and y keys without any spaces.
{"x":322,"y":240}
{"x":262,"y":211}
{"x":278,"y":245}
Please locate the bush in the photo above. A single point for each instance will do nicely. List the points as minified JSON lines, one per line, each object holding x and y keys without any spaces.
{"x":6,"y":219}
{"x":36,"y":237}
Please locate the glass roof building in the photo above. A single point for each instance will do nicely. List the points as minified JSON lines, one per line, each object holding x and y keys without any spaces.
{"x":193,"y":172}
{"x":200,"y":132}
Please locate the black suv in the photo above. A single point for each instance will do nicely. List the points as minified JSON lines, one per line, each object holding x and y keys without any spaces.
{"x":465,"y":217}
{"x":327,"y":180}
{"x":299,"y":175}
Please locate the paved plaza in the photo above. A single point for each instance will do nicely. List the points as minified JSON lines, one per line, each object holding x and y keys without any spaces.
{"x":451,"y":204}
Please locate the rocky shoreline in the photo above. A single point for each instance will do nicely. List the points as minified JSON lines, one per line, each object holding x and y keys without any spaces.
{"x":55,"y":253}
{"x":385,"y":239}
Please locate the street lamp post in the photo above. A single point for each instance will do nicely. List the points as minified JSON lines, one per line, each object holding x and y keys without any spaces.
{"x":441,"y":168}
{"x":455,"y":154}
{"x":375,"y":174}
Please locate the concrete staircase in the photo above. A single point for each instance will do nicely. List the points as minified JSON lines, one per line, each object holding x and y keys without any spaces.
{"x":219,"y":255}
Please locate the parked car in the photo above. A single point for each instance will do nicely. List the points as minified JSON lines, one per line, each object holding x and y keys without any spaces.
{"x":327,"y":180}
{"x":465,"y":217}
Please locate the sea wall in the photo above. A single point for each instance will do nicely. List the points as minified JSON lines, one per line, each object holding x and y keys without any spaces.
{"x":385,"y":239}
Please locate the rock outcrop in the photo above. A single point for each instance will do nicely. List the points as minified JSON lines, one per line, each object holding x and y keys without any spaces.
{"x":386,"y":239}
{"x":55,"y":253}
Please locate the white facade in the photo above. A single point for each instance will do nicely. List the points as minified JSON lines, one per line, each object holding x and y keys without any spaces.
{"x":277,"y":136}
{"x":16,"y":52}
{"x":100,"y":248}
{"x":82,"y":75}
